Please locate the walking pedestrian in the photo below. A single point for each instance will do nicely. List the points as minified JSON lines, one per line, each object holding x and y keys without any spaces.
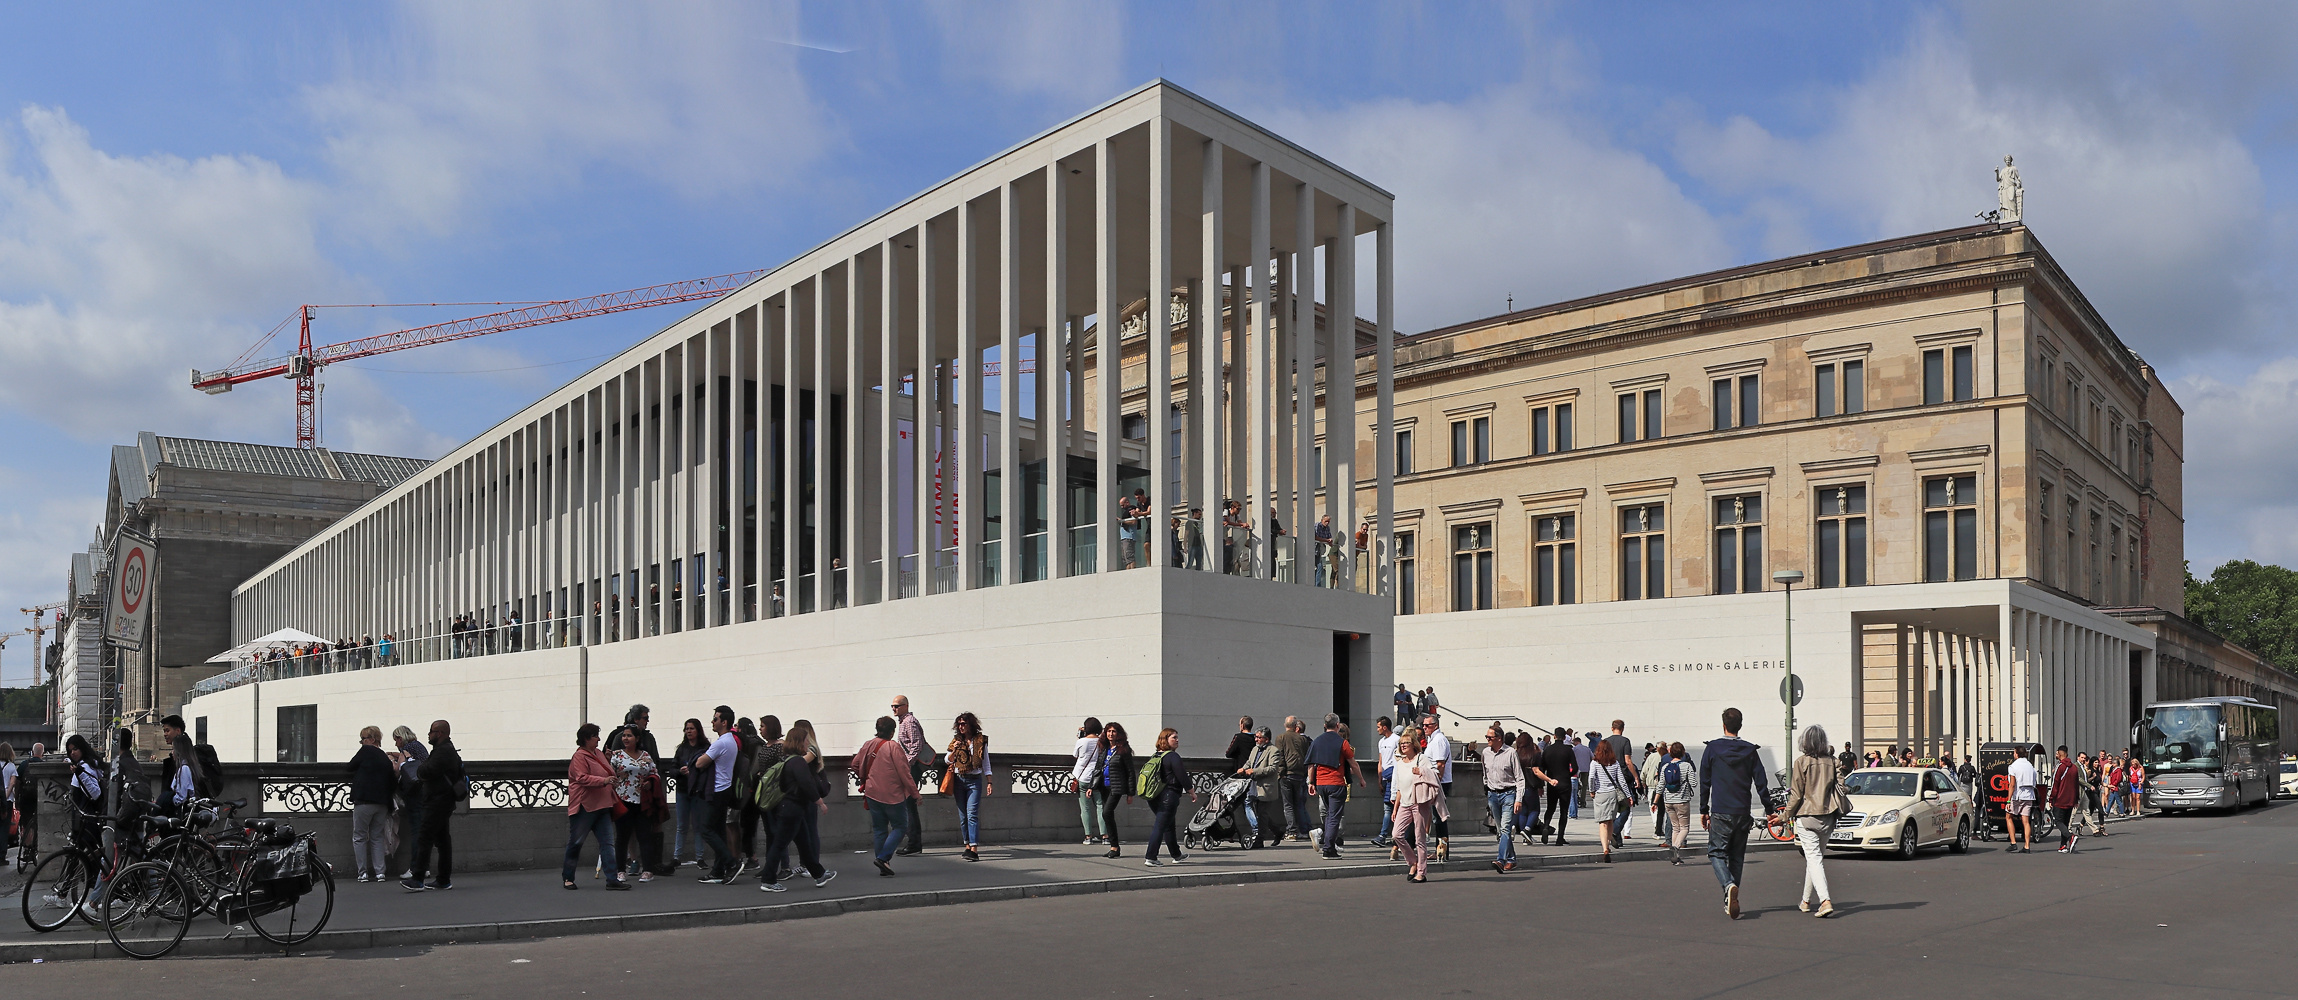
{"x":2019,"y":812}
{"x":716,"y":763}
{"x":1293,"y":757}
{"x":1559,"y":771}
{"x":1506,"y":794}
{"x":1088,"y":754}
{"x":638,"y":789}
{"x":743,"y":818}
{"x":884,"y":774}
{"x":1678,"y":782}
{"x":1241,"y":745}
{"x":1171,"y":782}
{"x":1648,"y":779}
{"x":1437,"y":747}
{"x":1387,"y":748}
{"x":1332,"y":766}
{"x":590,"y":808}
{"x":441,"y":773}
{"x":1728,"y":768}
{"x":1262,"y":769}
{"x":372,"y":782}
{"x":911,"y":734}
{"x":1625,"y":751}
{"x":1814,"y":801}
{"x":967,"y":779}
{"x":1609,"y":794}
{"x":2135,"y":773}
{"x":2066,"y":791}
{"x":795,"y":819}
{"x":637,"y":858}
{"x":1528,"y":807}
{"x":769,"y":752}
{"x":1846,"y":762}
{"x":693,"y":785}
{"x":1113,"y":782}
{"x":1420,"y":801}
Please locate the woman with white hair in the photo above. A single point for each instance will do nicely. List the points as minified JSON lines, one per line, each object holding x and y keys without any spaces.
{"x":1814,"y":801}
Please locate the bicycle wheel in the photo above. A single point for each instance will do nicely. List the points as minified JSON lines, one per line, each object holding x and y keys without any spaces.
{"x":1780,"y":829}
{"x":293,"y":923}
{"x":56,"y":890}
{"x":146,"y":909}
{"x":202,"y":869}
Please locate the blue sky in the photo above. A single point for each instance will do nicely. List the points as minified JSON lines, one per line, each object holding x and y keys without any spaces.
{"x":174,"y":179}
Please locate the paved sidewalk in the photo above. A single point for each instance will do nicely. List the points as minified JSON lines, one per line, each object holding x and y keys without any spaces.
{"x":488,"y":906}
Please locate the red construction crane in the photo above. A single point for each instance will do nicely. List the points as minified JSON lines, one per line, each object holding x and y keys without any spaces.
{"x":303,"y":366}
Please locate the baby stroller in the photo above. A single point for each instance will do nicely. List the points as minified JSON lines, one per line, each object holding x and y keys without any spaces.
{"x":1222,"y":819}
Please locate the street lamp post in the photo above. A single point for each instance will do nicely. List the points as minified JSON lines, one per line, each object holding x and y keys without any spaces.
{"x":1789,"y":578}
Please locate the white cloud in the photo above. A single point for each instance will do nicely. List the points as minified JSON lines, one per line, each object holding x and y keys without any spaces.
{"x":2241,"y":483}
{"x":2155,"y":210}
{"x":120,"y":274}
{"x":1506,"y":194}
{"x":508,"y":101}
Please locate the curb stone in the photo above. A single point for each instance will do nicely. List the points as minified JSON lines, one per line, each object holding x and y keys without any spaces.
{"x":247,"y":943}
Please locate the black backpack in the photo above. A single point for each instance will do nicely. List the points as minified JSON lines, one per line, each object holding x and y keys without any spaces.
{"x":207,"y":780}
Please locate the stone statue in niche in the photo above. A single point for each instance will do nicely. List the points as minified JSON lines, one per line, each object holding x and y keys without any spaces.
{"x":2010,"y":194}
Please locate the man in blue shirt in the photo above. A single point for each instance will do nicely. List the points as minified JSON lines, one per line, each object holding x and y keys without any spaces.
{"x":1728,"y":768}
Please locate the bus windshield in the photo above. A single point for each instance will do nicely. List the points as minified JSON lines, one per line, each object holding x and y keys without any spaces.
{"x":2180,"y":738}
{"x":1899,"y":784}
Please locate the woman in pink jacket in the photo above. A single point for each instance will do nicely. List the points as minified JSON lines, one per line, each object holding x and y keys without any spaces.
{"x":590,"y":807}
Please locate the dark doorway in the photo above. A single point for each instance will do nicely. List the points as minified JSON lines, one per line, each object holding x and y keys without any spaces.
{"x":2137,"y":692}
{"x":1343,"y":659}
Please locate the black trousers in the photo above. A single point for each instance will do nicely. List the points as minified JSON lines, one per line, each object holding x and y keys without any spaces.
{"x":915,"y":840}
{"x":792,"y":824}
{"x":1559,"y":809}
{"x":1165,"y":827}
{"x":1109,"y":801}
{"x":633,"y":828}
{"x":435,"y":834}
{"x":1443,"y":827}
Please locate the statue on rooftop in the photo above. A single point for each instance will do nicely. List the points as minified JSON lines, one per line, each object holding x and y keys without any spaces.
{"x":2010,"y":194}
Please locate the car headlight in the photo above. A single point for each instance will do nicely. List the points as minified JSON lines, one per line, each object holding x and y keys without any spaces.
{"x":1884,"y":819}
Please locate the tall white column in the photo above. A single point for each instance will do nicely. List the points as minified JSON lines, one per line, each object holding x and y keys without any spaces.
{"x":1054,"y":366}
{"x":1013,"y":525}
{"x":850,"y":474}
{"x":802,"y":302}
{"x":964,"y":456}
{"x":925,"y":407}
{"x":1156,"y":537}
{"x":1304,"y":320}
{"x":1384,"y":408}
{"x":1107,"y":353}
{"x":1340,"y":400}
{"x":824,"y":301}
{"x":1256,"y":356}
{"x":890,"y":382}
{"x":1205,"y":350}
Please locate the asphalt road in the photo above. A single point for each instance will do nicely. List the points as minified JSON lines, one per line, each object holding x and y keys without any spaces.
{"x":2168,"y":907}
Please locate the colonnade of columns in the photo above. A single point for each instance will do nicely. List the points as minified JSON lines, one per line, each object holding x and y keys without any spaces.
{"x":2052,"y":682}
{"x":827,"y":435}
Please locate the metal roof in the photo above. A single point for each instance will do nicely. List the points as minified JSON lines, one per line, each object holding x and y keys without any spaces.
{"x":382,"y":469}
{"x":276,"y":460}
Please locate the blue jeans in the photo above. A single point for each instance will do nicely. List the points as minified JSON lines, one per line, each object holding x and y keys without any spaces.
{"x":1335,"y":798}
{"x":691,"y":806}
{"x":1297,"y":800}
{"x":1387,"y":805}
{"x":593,"y":822}
{"x":1502,"y":805}
{"x":1575,"y":801}
{"x":968,"y":797}
{"x":1727,"y":846}
{"x":888,"y":821}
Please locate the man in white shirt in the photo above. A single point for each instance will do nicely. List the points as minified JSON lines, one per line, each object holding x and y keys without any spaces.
{"x":2019,"y":813}
{"x":1388,"y":740}
{"x":723,"y":750}
{"x":1505,"y":793}
{"x":1440,"y":748}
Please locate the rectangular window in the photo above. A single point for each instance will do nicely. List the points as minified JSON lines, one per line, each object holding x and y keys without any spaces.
{"x":298,"y":734}
{"x":1472,"y":567}
{"x":1643,"y":552}
{"x":1555,"y":560}
{"x":1407,"y":601}
{"x":1934,"y":377}
{"x":1471,"y":441}
{"x":1720,"y":403}
{"x":2074,"y":396}
{"x":1750,"y":401}
{"x":1540,"y":440}
{"x":1404,"y":453}
{"x":1628,"y":413}
{"x":1823,"y":390}
{"x":2113,"y":438}
{"x":2095,"y":593}
{"x":1459,"y":443}
{"x":1483,"y":430}
{"x":1839,"y":389}
{"x":1651,"y":414}
{"x":2114,"y":564}
{"x":2137,"y":580}
{"x":1950,"y":528}
{"x":1739,"y":544}
{"x":2074,"y":550}
{"x":1963,"y":374}
{"x":2043,"y":536}
{"x":1855,"y":387}
{"x":199,"y":729}
{"x":1842,"y":523}
{"x":1947,"y":375}
{"x":1563,"y":427}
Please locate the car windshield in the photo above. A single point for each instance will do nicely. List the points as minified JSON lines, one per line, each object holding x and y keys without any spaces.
{"x":1896,"y":783}
{"x":2290,"y":767}
{"x":2180,"y":738}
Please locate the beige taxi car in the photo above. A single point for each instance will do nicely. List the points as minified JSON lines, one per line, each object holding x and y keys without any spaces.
{"x":2289,"y":777}
{"x":1901,"y":810}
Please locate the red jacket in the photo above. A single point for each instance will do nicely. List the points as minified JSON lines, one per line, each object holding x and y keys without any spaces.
{"x":2065,"y":785}
{"x":590,"y":782}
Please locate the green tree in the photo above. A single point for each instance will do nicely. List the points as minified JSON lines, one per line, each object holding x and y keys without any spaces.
{"x":24,"y":703}
{"x":2253,"y":605}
